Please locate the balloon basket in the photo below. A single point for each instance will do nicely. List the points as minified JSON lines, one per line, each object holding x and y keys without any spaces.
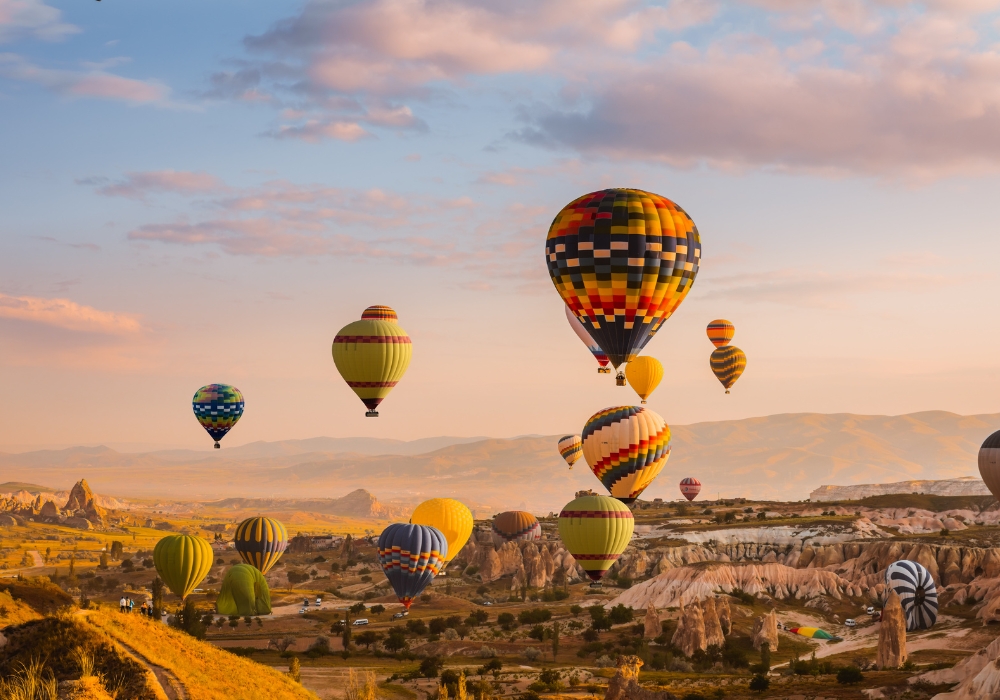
{"x":620,"y":379}
{"x":218,"y":446}
{"x":604,"y":370}
{"x":597,"y":584}
{"x":727,"y":391}
{"x":643,"y":401}
{"x":374,"y":414}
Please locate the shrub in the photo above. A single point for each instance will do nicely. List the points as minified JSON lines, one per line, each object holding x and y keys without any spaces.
{"x":506,"y":621}
{"x":431,"y":667}
{"x":575,"y":610}
{"x":620,"y":614}
{"x":604,"y":662}
{"x":534,"y":616}
{"x":472,"y":571}
{"x":531,"y":653}
{"x":759,"y":684}
{"x":418,"y":627}
{"x":849,"y":675}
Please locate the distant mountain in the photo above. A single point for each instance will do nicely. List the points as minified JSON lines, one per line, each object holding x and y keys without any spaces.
{"x":779,"y":457}
{"x":9,"y":487}
{"x":357,"y":504}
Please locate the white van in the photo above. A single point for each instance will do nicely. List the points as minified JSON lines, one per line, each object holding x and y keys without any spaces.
{"x":360,"y":621}
{"x":850,"y":623}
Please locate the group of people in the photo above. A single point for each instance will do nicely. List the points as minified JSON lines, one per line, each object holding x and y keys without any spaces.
{"x":126,"y":605}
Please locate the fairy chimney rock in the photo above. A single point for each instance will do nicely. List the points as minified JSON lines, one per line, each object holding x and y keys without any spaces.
{"x":652,"y":622}
{"x":765,"y":629}
{"x":725,"y":615}
{"x":713,"y":630}
{"x":81,"y":502}
{"x":891,"y":634}
{"x":690,"y":633}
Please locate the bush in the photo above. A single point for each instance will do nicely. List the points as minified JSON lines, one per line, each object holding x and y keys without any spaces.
{"x":471,"y":571}
{"x":759,"y":684}
{"x":620,"y":614}
{"x":534,"y":616}
{"x":418,"y":627}
{"x":849,"y":675}
{"x":506,"y":620}
{"x":605,"y":662}
{"x":431,"y":667}
{"x":624,"y":582}
{"x":531,"y":653}
{"x":575,"y":610}
{"x":742,"y":596}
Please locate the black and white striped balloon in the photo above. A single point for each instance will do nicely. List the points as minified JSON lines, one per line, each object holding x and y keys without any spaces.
{"x":917,"y":593}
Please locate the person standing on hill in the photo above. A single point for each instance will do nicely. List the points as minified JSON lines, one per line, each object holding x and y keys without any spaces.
{"x":131,"y":604}
{"x":121,"y":604}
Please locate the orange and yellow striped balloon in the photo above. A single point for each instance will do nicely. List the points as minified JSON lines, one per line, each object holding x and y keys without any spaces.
{"x":728,"y":363}
{"x":372,"y":355}
{"x":626,"y":447}
{"x":720,"y":332}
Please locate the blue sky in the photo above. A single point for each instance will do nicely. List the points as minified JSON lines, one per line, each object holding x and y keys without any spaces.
{"x":195,"y":193}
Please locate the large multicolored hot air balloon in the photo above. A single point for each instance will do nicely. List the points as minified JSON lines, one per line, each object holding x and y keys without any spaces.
{"x":244,"y":592}
{"x":452,"y":518}
{"x":622,"y":260}
{"x":917,"y":593}
{"x":571,"y":449}
{"x":515,"y":526}
{"x":182,"y":561}
{"x":690,"y":488}
{"x":989,"y":463}
{"x":261,"y":542}
{"x":581,"y":333}
{"x":811,"y":632}
{"x":644,"y":374}
{"x":217,"y":407}
{"x":728,"y":363}
{"x":626,"y":447}
{"x":596,"y":530}
{"x":411,"y":556}
{"x":372,"y":355}
{"x":720,"y":332}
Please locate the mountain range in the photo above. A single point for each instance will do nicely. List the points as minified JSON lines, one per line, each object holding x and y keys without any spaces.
{"x":781,"y":457}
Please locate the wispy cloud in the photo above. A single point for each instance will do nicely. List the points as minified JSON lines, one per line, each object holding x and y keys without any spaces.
{"x":67,"y":315}
{"x":140,"y":184}
{"x":34,"y":19}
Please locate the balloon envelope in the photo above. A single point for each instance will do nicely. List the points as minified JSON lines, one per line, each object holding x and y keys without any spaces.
{"x":260,"y":542}
{"x":728,"y":363}
{"x":411,"y":556}
{"x":690,"y":488}
{"x":584,"y":336}
{"x":571,"y":449}
{"x":452,"y":518}
{"x":515,"y":526}
{"x":917,"y":593}
{"x":244,"y":592}
{"x":217,"y":407}
{"x":596,"y":530}
{"x":622,"y":260}
{"x":811,"y":632}
{"x":989,"y":463}
{"x":644,"y":374}
{"x":372,"y":355}
{"x":626,"y":447}
{"x":182,"y":561}
{"x":720,"y":332}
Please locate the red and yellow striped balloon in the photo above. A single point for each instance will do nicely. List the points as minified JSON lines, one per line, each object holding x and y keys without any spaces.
{"x":720,"y":332}
{"x":626,"y":447}
{"x":596,"y":530}
{"x":372,"y":355}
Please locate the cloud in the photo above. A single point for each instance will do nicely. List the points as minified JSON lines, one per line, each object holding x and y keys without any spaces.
{"x":138,"y":185}
{"x":32,"y":18}
{"x":94,"y":83}
{"x":67,"y":315}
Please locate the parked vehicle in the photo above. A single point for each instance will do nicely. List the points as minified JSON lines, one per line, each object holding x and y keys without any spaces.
{"x":399,"y":615}
{"x":850,"y":623}
{"x":360,"y":621}
{"x":319,"y":601}
{"x":871,"y":610}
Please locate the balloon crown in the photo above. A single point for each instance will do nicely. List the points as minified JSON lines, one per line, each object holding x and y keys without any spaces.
{"x":379,"y":313}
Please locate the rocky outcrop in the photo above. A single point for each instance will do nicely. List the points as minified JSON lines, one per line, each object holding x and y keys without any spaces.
{"x":978,"y":676}
{"x":690,"y":633}
{"x":624,"y":685}
{"x":713,"y":630}
{"x":49,"y":510}
{"x":765,"y":629}
{"x":7,"y":520}
{"x":651,"y":625}
{"x":725,"y":615}
{"x":891,"y":634}
{"x":82,"y":504}
{"x":962,"y":486}
{"x":79,"y":523}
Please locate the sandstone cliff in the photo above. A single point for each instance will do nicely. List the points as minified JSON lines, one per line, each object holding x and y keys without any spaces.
{"x":962,"y":486}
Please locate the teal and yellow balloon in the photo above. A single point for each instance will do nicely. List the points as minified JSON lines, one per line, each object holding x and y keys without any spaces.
{"x":217,"y":407}
{"x":182,"y":561}
{"x":260,"y":542}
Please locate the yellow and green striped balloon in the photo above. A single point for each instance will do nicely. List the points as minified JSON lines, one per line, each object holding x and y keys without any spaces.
{"x":372,"y":355}
{"x":596,"y":530}
{"x":182,"y":561}
{"x":728,"y":363}
{"x":261,"y":542}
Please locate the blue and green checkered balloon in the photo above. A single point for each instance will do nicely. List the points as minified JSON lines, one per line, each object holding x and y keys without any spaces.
{"x":217,"y":407}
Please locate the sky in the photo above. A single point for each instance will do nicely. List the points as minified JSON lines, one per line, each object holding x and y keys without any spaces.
{"x":206,"y":192}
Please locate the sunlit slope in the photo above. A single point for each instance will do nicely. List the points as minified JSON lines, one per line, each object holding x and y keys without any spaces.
{"x":206,"y":672}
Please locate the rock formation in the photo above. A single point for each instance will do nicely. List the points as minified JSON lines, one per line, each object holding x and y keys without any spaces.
{"x":765,"y":629}
{"x":690,"y":633}
{"x":651,"y":627}
{"x":891,"y":634}
{"x":624,"y":685}
{"x":725,"y":615}
{"x":49,"y":510}
{"x":962,"y":486}
{"x":82,"y":504}
{"x":977,"y":676}
{"x":713,"y":630}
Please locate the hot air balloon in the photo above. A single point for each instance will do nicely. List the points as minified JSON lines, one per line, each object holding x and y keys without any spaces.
{"x":690,"y":488}
{"x":452,"y":518}
{"x":917,"y":593}
{"x":182,"y":561}
{"x":728,"y":363}
{"x":372,"y":355}
{"x":622,"y":260}
{"x":720,"y":332}
{"x":244,"y":592}
{"x":595,"y":530}
{"x":570,"y":448}
{"x":644,"y":374}
{"x":261,"y":542}
{"x":217,"y":407}
{"x":515,"y":526}
{"x":582,"y":334}
{"x":811,"y":632}
{"x":411,"y":556}
{"x":626,"y":447}
{"x":989,"y":463}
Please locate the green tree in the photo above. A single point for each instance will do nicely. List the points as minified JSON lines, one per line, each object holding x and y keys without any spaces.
{"x":765,"y":657}
{"x":189,"y":620}
{"x":72,"y":564}
{"x":575,"y":610}
{"x":48,"y":553}
{"x":849,"y":675}
{"x":396,"y":641}
{"x":103,"y":563}
{"x":431,"y":667}
{"x":759,"y":683}
{"x":555,"y":640}
{"x":367,"y":638}
{"x":157,"y":588}
{"x":295,"y":669}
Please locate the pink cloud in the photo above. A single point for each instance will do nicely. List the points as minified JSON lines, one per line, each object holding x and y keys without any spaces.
{"x":92,"y":83}
{"x":68,"y":315}
{"x":138,"y":185}
{"x":32,"y":18}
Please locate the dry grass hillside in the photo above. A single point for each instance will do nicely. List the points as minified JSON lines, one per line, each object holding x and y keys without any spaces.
{"x":777,"y":457}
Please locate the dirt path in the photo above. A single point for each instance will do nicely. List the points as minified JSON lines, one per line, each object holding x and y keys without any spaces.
{"x":39,"y":562}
